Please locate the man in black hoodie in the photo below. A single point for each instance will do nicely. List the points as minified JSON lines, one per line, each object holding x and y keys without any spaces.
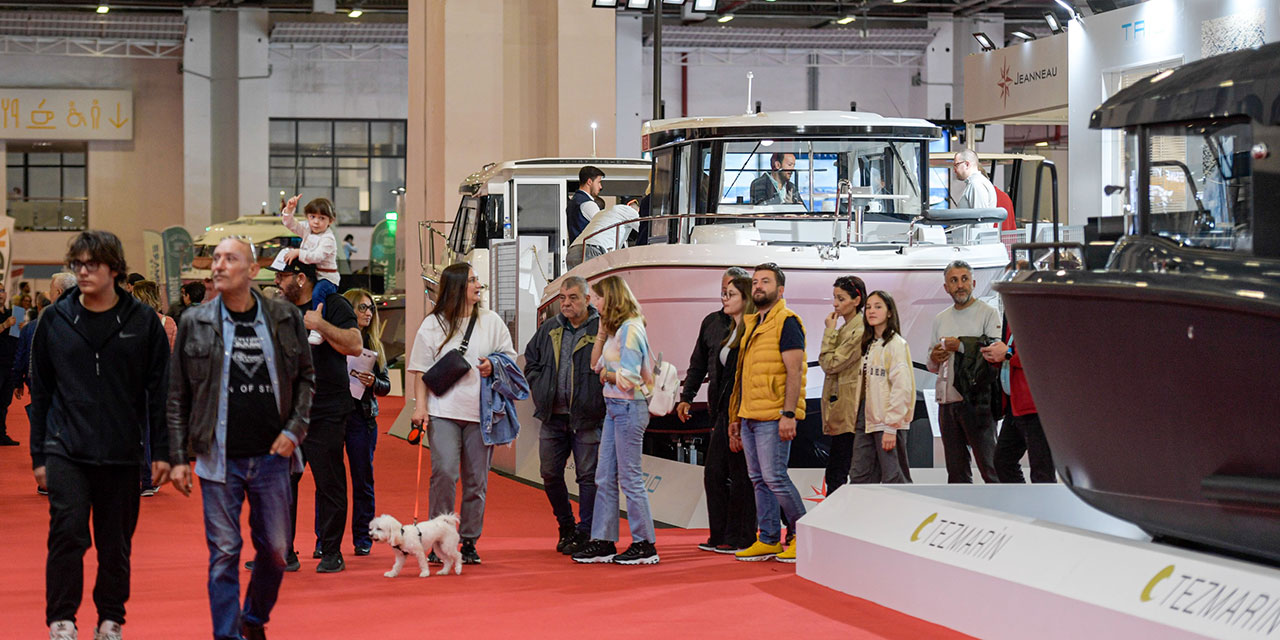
{"x":99,"y":372}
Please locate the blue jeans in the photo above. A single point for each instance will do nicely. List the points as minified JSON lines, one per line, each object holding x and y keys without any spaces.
{"x":767,"y":458}
{"x":322,"y":289}
{"x":621,"y":442}
{"x":556,"y":440}
{"x":362,"y":439}
{"x":265,"y":481}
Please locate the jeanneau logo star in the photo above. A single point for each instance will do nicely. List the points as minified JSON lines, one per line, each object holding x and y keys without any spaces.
{"x":1005,"y":82}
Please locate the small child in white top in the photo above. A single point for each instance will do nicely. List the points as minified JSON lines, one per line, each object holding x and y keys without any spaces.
{"x":319,"y":247}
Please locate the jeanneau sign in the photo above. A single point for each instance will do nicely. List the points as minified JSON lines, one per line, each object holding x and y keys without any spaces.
{"x":1017,"y":80}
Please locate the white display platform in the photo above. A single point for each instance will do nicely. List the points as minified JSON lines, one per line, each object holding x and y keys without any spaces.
{"x":1027,"y":561}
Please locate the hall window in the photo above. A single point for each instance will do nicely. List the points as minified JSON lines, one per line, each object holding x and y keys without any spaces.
{"x":355,"y":163}
{"x":47,"y":186}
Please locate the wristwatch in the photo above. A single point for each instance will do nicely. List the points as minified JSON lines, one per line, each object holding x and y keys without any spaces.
{"x":788,"y":414}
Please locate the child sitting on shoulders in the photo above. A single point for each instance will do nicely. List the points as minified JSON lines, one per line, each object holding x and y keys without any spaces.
{"x":319,"y":247}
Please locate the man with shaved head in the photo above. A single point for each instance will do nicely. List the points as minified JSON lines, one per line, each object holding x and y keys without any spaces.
{"x":242,"y":417}
{"x":979,"y":193}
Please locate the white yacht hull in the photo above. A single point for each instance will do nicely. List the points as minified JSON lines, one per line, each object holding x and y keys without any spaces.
{"x":677,"y":285}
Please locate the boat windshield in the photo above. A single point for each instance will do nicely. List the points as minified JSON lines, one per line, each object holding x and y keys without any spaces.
{"x":802,"y":176}
{"x":1200,"y":193}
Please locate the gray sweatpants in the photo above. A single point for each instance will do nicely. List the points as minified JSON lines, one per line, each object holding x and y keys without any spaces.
{"x":872,"y":464}
{"x":458,"y":451}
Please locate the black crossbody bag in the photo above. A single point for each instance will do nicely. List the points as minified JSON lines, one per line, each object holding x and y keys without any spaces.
{"x":451,"y":367}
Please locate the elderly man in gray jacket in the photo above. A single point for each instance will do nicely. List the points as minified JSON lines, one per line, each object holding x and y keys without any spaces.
{"x":239,"y":401}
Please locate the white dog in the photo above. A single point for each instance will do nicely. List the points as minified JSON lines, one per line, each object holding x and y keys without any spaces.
{"x":439,"y":534}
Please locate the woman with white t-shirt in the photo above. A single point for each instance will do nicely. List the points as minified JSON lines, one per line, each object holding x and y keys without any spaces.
{"x":452,"y":420}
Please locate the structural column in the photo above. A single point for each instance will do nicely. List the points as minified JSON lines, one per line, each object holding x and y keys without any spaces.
{"x":495,"y":80}
{"x":225,"y":114}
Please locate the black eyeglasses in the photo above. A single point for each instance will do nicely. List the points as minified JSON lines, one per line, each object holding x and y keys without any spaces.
{"x":91,"y":266}
{"x":362,"y":307}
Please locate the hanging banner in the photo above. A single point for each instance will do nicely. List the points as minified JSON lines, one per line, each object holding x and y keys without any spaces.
{"x":153,"y":253}
{"x":178,"y":252}
{"x":1023,"y":83}
{"x":6,"y":251}
{"x":66,"y":114}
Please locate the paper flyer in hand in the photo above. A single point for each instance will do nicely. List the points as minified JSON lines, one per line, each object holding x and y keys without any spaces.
{"x":364,"y":364}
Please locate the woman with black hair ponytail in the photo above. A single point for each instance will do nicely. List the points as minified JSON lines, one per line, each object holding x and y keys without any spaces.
{"x":841,"y":361}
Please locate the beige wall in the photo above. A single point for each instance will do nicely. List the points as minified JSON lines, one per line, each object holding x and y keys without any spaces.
{"x":493,"y":80}
{"x":132,"y":185}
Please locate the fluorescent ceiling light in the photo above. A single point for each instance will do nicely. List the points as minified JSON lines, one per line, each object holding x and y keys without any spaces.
{"x":899,"y":1}
{"x":984,"y":41}
{"x":355,"y":13}
{"x":704,"y":5}
{"x":1042,"y":143}
{"x":1054,"y":25}
{"x":1024,"y":34}
{"x":637,"y":4}
{"x":102,"y":8}
{"x":846,"y":20}
{"x":725,"y":18}
{"x":672,"y":1}
{"x":1065,"y":5}
{"x":604,"y":4}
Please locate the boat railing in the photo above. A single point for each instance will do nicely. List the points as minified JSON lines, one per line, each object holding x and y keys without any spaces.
{"x":852,"y":220}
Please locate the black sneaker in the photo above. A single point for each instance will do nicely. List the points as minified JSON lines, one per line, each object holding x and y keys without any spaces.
{"x":41,"y":490}
{"x":638,"y":553}
{"x":252,"y":631}
{"x":567,"y":535}
{"x":291,"y":563}
{"x":433,"y":558}
{"x":363,"y":549}
{"x":469,"y":555}
{"x":596,"y":551}
{"x":580,"y":540}
{"x":6,"y":441}
{"x":708,"y":546}
{"x":317,"y":554}
{"x":331,"y":564}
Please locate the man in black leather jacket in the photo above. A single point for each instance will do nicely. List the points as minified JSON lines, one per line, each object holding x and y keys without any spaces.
{"x":242,"y":417}
{"x":569,"y":401}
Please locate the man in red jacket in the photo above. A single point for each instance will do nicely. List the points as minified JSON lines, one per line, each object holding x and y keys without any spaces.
{"x":1021,"y":432}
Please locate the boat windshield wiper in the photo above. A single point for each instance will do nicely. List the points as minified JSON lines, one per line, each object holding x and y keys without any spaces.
{"x":740,"y":170}
{"x":902,"y":164}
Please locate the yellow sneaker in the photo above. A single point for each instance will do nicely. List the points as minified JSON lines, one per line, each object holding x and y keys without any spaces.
{"x":788,"y":556}
{"x":759,"y":551}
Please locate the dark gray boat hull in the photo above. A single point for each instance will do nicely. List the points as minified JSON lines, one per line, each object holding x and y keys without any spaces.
{"x":1161,"y":402}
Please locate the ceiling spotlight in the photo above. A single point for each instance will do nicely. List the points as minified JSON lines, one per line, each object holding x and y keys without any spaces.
{"x":725,"y":18}
{"x":1054,"y":25}
{"x":103,"y":8}
{"x":355,"y":13}
{"x":899,"y":1}
{"x":604,"y":4}
{"x":984,"y":41}
{"x":1024,"y":34}
{"x":846,"y":20}
{"x":704,"y":5}
{"x":1042,"y":143}
{"x":672,"y":1}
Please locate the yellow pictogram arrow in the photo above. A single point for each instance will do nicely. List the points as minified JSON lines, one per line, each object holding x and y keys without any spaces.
{"x":915,"y":535}
{"x":117,"y":121}
{"x":1162,"y":575}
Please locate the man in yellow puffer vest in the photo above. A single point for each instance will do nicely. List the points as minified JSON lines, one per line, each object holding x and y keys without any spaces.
{"x":768,"y":399}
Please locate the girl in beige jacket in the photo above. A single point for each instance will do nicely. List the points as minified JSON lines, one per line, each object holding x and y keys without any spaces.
{"x":841,"y":361}
{"x":880,"y":441}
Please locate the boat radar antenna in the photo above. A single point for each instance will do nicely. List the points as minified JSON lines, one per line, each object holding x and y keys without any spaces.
{"x":750,"y":108}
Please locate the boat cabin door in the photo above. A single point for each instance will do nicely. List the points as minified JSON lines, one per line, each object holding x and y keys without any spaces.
{"x":539,"y":205}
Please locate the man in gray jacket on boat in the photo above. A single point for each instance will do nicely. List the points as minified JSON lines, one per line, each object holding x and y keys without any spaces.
{"x":569,"y":401}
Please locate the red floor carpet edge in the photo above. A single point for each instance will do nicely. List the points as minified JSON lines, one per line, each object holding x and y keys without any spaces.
{"x":524,"y":589}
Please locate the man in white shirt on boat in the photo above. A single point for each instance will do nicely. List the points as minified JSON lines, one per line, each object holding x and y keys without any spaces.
{"x":591,"y":244}
{"x":979,"y":193}
{"x":775,"y":187}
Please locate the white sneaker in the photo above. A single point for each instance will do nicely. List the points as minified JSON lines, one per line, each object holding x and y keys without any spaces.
{"x":315,"y":338}
{"x":110,"y":630}
{"x":63,"y":630}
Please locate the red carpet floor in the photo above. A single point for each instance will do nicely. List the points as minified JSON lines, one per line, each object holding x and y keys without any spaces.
{"x":524,"y":589}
